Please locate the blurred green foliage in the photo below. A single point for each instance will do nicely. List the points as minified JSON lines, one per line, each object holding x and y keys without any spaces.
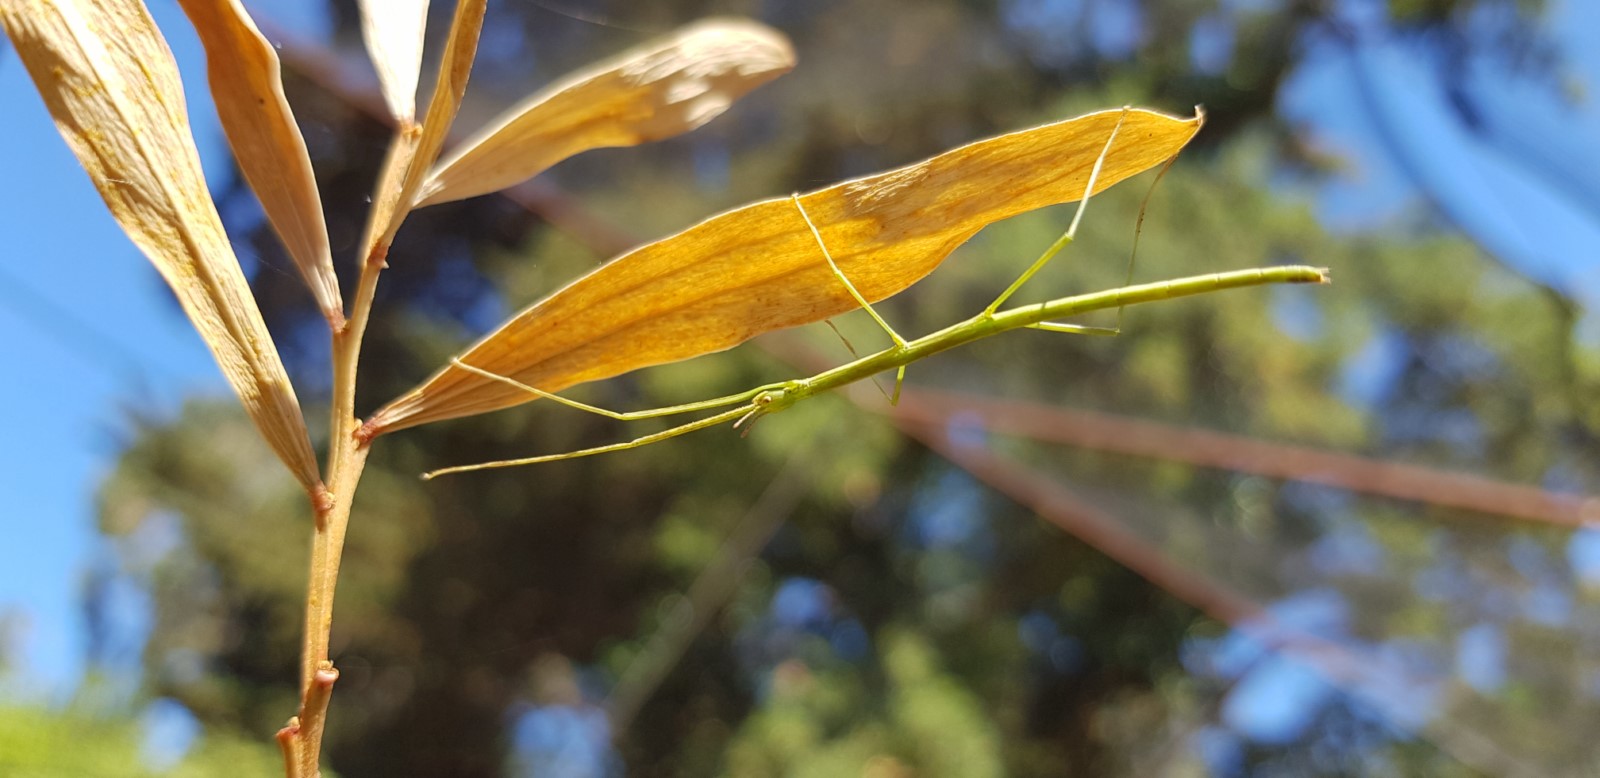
{"x":46,"y":744}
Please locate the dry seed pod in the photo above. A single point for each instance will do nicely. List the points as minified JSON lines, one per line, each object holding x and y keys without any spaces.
{"x":112,"y":87}
{"x":248,"y":89}
{"x":664,"y":88}
{"x":758,"y":268}
{"x":393,"y":31}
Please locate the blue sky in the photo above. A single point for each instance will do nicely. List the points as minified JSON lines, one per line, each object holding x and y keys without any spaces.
{"x":1524,"y":189}
{"x":91,"y":332}
{"x":70,"y":384}
{"x":64,"y":253}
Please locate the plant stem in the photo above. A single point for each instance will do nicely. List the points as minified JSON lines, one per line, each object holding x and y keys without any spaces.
{"x":301,"y":740}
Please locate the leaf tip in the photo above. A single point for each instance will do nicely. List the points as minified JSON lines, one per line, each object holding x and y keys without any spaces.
{"x":760,"y":48}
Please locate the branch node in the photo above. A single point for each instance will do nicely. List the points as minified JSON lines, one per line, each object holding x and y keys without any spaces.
{"x":314,"y":715}
{"x":378,"y":257}
{"x":289,"y":741}
{"x":322,"y":502}
{"x":336,"y":320}
{"x":366,"y":432}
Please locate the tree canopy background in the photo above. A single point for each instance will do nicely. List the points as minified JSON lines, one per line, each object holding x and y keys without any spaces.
{"x":975,"y":584}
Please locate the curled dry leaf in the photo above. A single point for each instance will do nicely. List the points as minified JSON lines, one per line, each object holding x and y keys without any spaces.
{"x":110,"y":83}
{"x":664,"y":88}
{"x":758,"y":268}
{"x":393,"y":31}
{"x":248,"y":89}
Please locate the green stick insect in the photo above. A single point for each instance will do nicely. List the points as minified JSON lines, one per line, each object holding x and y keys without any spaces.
{"x":772,"y":398}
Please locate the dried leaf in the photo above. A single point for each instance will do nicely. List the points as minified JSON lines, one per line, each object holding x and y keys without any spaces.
{"x":454,"y":68}
{"x":758,"y":268}
{"x":248,"y":89}
{"x":393,"y":31}
{"x":110,"y":83}
{"x":664,"y":88}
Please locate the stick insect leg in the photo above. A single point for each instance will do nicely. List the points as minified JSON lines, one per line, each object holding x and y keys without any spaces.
{"x":899,"y":342}
{"x":843,"y":279}
{"x":876,"y":384}
{"x":1075,"y":329}
{"x":710,"y":421}
{"x":1133,"y":255}
{"x":1072,"y":230}
{"x":653,"y":413}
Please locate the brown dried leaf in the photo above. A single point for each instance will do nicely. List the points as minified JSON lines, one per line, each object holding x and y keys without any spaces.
{"x":664,"y":88}
{"x":248,"y":89}
{"x":110,"y":83}
{"x":758,"y":268}
{"x":393,"y":31}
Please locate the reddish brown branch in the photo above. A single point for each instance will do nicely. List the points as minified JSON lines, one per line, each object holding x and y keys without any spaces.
{"x":1087,"y":523}
{"x":1207,"y":448}
{"x":1343,"y":666}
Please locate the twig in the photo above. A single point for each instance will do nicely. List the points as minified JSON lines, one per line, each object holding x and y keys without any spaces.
{"x":1207,"y":448}
{"x":1341,"y":665}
